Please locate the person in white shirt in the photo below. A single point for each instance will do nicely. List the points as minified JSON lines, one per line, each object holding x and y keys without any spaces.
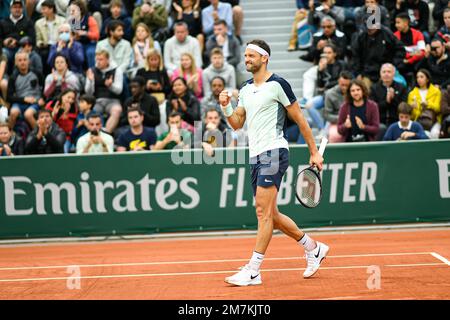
{"x":95,"y":141}
{"x":180,"y":43}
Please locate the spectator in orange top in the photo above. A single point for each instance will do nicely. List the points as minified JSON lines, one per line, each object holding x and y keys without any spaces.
{"x":86,"y":29}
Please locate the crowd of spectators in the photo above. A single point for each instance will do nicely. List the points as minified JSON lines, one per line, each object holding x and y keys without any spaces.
{"x":102,"y":76}
{"x":376,"y":64}
{"x":96,"y":76}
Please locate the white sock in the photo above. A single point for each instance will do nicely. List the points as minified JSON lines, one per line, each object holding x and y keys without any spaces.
{"x":307,"y":243}
{"x":256,"y":260}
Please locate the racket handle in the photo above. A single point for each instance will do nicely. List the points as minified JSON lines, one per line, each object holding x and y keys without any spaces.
{"x":323,"y":144}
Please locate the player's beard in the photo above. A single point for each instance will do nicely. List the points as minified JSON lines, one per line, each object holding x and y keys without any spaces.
{"x":253,"y":68}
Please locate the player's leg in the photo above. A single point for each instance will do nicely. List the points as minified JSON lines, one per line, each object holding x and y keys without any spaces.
{"x":315,"y":250}
{"x":265,"y":201}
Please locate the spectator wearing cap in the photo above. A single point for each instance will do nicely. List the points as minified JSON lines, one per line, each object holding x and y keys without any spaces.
{"x":119,"y":49}
{"x":13,"y":28}
{"x":26,"y":45}
{"x":175,"y":46}
{"x":217,"y":11}
{"x":228,"y":43}
{"x":328,"y":33}
{"x":153,"y":15}
{"x":47,"y":30}
{"x":117,"y":11}
{"x":437,"y":62}
{"x":142,"y":100}
{"x":69,"y":47}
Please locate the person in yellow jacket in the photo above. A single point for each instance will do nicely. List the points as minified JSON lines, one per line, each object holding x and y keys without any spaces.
{"x":426,"y":96}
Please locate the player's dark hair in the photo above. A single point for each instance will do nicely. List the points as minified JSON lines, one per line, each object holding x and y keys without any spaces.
{"x":331,"y":46}
{"x":404,"y":108}
{"x":260,"y":43}
{"x":41,"y":111}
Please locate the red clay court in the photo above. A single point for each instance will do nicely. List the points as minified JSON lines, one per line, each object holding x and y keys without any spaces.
{"x":413,"y":264}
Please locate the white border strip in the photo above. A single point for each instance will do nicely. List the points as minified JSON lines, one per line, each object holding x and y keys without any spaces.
{"x":202,"y":261}
{"x":441,"y":258}
{"x":206,"y":273}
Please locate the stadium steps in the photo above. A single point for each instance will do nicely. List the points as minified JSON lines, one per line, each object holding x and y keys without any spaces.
{"x":272,"y":21}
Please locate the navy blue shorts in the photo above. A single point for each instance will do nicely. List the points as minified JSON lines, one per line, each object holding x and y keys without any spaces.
{"x":268,"y":168}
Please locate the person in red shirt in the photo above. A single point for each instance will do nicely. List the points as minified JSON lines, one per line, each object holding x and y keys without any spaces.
{"x":414,"y":42}
{"x":64,"y":112}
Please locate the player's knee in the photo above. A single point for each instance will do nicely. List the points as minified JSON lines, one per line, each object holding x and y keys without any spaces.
{"x":263,"y":213}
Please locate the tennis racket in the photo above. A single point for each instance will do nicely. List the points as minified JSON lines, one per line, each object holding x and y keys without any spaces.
{"x":308,"y":185}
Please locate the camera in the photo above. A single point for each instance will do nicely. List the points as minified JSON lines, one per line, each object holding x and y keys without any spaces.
{"x":94,"y":132}
{"x":358,"y":138}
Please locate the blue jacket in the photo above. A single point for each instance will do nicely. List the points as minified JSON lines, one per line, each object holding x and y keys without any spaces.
{"x":394,"y":131}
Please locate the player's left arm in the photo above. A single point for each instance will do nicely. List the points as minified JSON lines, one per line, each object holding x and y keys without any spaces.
{"x":296,"y":115}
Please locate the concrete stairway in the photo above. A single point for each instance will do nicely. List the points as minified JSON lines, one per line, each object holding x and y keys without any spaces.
{"x":271,"y":21}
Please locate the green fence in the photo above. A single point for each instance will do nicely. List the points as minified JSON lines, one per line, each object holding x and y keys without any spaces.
{"x":147,"y":192}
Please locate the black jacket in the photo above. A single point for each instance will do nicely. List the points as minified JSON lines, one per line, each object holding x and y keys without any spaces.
{"x":328,"y":78}
{"x":193,"y":107}
{"x":370,"y":52}
{"x":440,"y":73}
{"x":388,"y":111}
{"x":339,"y":40}
{"x":24,"y":27}
{"x":149,"y":105}
{"x":53,"y":142}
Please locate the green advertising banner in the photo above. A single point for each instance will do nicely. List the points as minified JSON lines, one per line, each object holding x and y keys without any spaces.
{"x":142,"y":193}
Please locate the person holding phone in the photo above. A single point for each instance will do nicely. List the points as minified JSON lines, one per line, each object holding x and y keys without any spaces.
{"x":95,"y":141}
{"x":175,"y":136}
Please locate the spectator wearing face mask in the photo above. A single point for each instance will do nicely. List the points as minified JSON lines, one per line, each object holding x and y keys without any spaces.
{"x":69,"y":47}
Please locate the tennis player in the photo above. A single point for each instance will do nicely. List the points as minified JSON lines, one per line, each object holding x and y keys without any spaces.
{"x":264,"y":102}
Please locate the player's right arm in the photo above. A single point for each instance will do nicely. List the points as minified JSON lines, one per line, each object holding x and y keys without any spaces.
{"x":236,"y":118}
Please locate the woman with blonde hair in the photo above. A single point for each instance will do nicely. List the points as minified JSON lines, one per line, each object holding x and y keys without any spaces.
{"x":157,"y":81}
{"x":191,"y":73}
{"x":142,"y":43}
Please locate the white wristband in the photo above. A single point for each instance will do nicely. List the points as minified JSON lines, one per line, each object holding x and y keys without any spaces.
{"x":227,"y":110}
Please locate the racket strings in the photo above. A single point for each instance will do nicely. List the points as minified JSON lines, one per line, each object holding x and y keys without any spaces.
{"x":309,"y":184}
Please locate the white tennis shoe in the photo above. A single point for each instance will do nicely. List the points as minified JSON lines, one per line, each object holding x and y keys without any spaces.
{"x":314,"y":259}
{"x":245,"y":277}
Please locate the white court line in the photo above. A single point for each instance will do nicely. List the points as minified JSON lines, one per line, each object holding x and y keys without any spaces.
{"x":441,"y":258}
{"x":204,"y":261}
{"x":203,"y":273}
